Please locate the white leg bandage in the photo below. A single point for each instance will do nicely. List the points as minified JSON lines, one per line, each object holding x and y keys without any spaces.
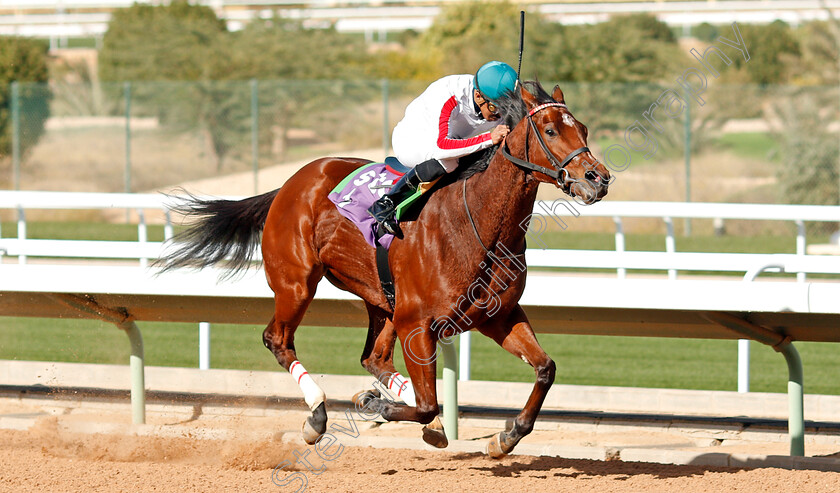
{"x":397,"y":383}
{"x":312,"y":393}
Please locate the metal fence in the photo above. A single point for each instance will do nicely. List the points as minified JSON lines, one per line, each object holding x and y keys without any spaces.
{"x":147,"y":136}
{"x":716,"y":143}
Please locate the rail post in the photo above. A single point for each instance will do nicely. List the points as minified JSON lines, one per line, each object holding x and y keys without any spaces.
{"x":127,"y":177}
{"x":782,"y":344}
{"x":255,"y":133}
{"x":464,"y":349}
{"x":796,"y":403}
{"x":138,"y":377}
{"x":450,"y":391}
{"x":125,"y":322}
{"x":386,"y":131}
{"x":16,"y":134}
{"x":204,"y":345}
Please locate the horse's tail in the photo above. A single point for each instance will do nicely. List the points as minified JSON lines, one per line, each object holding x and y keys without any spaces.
{"x":226,"y":231}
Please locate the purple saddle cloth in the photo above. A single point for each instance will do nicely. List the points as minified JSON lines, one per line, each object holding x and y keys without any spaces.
{"x":358,"y":191}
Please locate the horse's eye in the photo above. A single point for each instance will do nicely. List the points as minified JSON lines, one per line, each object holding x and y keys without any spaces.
{"x":550,"y":132}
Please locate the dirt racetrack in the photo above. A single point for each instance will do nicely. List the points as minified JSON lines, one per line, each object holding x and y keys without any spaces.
{"x":47,"y":459}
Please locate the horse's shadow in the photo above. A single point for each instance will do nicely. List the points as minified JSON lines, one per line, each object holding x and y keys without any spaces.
{"x":581,"y":468}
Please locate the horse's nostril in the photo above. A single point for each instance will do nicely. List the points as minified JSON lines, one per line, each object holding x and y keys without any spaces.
{"x":592,"y":176}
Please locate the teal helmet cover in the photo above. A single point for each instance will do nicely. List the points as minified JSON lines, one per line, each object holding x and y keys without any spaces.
{"x":494,"y":79}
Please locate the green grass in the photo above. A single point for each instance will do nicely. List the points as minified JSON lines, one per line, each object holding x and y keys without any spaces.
{"x":656,"y":242}
{"x":756,"y":145}
{"x":637,"y":158}
{"x":81,"y":230}
{"x":760,"y":146}
{"x":581,"y":360}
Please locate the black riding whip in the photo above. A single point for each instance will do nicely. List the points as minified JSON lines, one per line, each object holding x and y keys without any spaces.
{"x":521,"y":42}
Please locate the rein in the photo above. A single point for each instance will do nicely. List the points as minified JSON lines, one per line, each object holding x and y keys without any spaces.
{"x":475,"y":229}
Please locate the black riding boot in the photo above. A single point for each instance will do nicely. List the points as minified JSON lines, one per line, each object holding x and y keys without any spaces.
{"x":384,"y":209}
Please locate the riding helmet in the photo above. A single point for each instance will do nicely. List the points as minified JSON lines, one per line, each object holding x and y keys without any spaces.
{"x":494,"y":79}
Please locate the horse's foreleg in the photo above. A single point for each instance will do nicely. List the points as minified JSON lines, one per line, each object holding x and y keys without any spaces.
{"x":517,"y":337}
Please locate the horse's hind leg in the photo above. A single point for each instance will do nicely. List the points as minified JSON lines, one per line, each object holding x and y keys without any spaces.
{"x":419,"y":351}
{"x":378,"y":355}
{"x":378,"y":360}
{"x":279,"y":337}
{"x":516,"y":336}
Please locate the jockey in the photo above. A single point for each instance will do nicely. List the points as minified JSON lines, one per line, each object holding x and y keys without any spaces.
{"x":455,"y":116}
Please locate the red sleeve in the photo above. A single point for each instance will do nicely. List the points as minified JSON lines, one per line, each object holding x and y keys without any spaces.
{"x":443,"y":140}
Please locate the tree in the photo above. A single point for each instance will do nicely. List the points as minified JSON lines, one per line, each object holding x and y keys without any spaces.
{"x":280,"y":48}
{"x":465,"y":35}
{"x":184,"y":42}
{"x":296,"y":88}
{"x":818,"y":42}
{"x":773,"y":51}
{"x":23,"y":61}
{"x":166,"y":42}
{"x":807,"y":170}
{"x":175,"y":42}
{"x":613,"y":71}
{"x":627,"y":48}
{"x":706,"y":32}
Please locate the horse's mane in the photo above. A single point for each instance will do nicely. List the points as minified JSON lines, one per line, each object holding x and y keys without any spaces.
{"x":513,"y":110}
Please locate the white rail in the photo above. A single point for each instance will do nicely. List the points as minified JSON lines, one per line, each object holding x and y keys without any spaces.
{"x":562,"y":212}
{"x":559,"y":212}
{"x":142,"y":249}
{"x":546,"y":215}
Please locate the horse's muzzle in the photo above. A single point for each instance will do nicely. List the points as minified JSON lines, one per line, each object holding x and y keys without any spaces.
{"x":591,"y":189}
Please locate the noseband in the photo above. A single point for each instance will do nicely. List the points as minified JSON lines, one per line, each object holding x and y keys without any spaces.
{"x":559,"y":166}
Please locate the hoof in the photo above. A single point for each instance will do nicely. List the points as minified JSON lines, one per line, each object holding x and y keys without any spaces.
{"x":434,"y":435}
{"x":310,"y":434}
{"x":361,"y":398}
{"x":494,"y":447}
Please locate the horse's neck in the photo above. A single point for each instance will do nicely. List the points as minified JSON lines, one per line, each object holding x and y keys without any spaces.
{"x":500,"y":200}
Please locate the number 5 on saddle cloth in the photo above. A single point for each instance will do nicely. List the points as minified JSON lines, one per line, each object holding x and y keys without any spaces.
{"x":364,"y":186}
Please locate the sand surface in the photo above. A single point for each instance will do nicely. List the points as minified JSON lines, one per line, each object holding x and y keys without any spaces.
{"x":49,"y":458}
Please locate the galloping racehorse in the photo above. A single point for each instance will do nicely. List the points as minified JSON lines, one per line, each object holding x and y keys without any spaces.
{"x":469,"y":235}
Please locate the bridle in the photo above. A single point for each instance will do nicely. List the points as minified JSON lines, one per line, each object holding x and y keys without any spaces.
{"x":559,"y":166}
{"x":558,"y":171}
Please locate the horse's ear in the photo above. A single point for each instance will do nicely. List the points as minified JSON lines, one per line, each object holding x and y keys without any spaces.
{"x":558,"y":95}
{"x":529,"y":99}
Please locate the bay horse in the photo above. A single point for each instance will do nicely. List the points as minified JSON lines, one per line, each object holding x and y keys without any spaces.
{"x":463,"y":237}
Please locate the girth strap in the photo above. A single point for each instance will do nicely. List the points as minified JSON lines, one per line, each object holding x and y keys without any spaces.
{"x":384,"y":271}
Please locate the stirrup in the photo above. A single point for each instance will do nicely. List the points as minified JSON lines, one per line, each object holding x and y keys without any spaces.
{"x":391,"y":226}
{"x":384,"y":213}
{"x":383,"y":209}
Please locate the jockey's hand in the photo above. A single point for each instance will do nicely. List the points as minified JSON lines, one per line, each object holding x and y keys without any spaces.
{"x":498,"y":134}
